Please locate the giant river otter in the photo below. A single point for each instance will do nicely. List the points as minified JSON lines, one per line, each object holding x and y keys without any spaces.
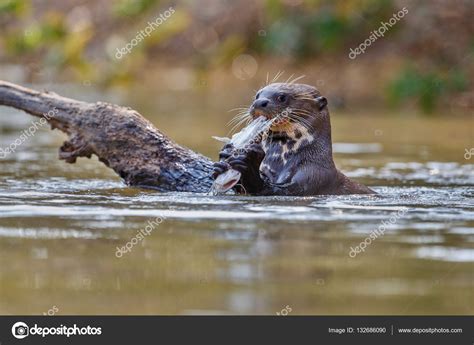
{"x":294,"y":157}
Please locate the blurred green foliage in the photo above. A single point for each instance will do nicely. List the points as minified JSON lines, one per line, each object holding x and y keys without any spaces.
{"x":133,"y":8}
{"x":15,"y":7}
{"x":319,"y":26}
{"x":304,"y":36}
{"x":36,"y":35}
{"x":298,"y":30}
{"x":426,"y":88}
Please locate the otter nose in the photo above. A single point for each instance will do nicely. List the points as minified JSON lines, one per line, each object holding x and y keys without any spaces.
{"x":260,"y":103}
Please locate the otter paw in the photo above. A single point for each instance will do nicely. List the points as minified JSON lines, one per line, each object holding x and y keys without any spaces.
{"x":238,"y":162}
{"x":226,"y":152}
{"x":219,"y":168}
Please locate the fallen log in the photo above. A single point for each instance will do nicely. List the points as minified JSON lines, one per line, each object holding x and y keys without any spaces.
{"x":120,"y":137}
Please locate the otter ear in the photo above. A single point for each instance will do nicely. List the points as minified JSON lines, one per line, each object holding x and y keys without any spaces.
{"x":322,"y":102}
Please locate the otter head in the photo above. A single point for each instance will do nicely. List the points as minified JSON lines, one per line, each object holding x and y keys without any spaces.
{"x":292,"y":107}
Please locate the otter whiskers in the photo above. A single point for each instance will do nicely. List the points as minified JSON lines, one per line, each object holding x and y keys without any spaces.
{"x":242,"y":117}
{"x":298,"y":116}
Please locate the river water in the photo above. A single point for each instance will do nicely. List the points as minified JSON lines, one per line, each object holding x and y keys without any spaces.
{"x":61,"y":226}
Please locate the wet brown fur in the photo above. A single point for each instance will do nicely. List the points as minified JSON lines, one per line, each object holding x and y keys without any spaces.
{"x":295,"y":156}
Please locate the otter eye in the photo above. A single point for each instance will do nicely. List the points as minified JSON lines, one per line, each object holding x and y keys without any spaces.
{"x":257,"y":95}
{"x":281,"y":98}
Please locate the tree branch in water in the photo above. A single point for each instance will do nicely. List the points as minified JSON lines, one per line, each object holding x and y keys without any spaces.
{"x":120,"y":137}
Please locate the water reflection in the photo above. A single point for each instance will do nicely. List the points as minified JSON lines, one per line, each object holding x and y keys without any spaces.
{"x":60,"y":226}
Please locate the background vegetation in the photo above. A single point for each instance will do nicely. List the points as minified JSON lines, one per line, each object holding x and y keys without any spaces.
{"x":424,"y":61}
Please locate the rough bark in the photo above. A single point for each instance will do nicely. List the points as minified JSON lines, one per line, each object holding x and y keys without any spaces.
{"x":120,"y":137}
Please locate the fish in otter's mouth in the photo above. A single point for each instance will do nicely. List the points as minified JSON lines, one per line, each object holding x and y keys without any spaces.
{"x":289,"y":106}
{"x":293,"y":155}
